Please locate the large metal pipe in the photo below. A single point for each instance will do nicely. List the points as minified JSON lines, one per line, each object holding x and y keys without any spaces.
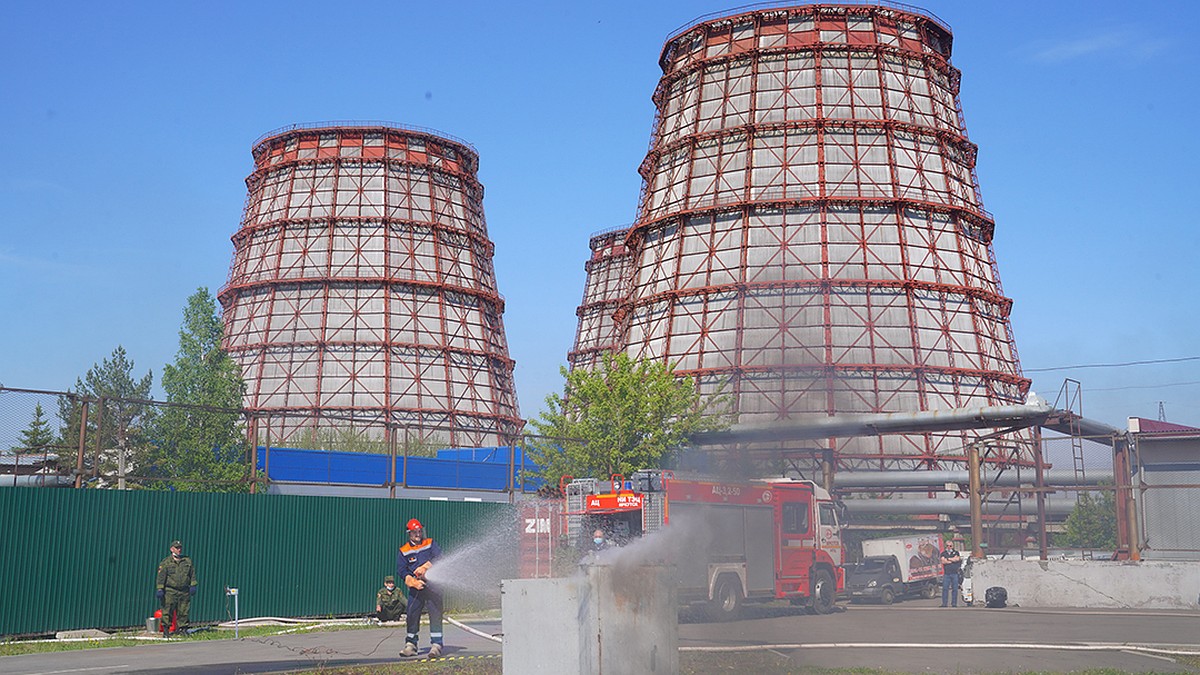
{"x":939,"y":477}
{"x":35,"y":480}
{"x":954,"y":419}
{"x":1067,"y":422}
{"x":937,"y":506}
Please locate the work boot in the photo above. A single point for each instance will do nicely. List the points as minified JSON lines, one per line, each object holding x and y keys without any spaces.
{"x":409,"y":649}
{"x":435,"y":650}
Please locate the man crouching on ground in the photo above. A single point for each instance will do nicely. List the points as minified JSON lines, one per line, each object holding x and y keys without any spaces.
{"x":389,"y":601}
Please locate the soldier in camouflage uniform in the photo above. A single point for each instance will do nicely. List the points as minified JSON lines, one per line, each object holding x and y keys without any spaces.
{"x":389,"y":601}
{"x":175,"y":586}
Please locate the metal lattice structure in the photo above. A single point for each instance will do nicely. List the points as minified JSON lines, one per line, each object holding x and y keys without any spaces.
{"x":811,"y":235}
{"x":606,"y":287}
{"x":362,"y":292}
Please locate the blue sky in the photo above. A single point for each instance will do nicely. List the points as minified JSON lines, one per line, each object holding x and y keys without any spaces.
{"x":129,"y":127}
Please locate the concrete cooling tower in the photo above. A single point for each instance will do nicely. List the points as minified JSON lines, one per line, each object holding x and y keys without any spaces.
{"x":811,"y":235}
{"x":362,"y":295}
{"x":606,"y":287}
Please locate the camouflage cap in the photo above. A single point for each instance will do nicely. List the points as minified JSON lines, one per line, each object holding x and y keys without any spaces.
{"x":389,"y":578}
{"x":177,"y":544}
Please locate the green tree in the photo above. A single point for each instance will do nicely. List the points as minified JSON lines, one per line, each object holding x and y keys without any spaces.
{"x":200,"y":442}
{"x":38,"y":436}
{"x":119,"y":416}
{"x":1092,"y":523}
{"x":623,"y":416}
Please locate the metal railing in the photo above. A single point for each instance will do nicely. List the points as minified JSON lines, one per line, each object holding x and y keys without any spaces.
{"x":780,"y":4}
{"x":610,"y":230}
{"x":364,"y":124}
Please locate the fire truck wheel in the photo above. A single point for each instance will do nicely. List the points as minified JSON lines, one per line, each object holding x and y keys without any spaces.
{"x":823,"y":592}
{"x":726,"y":600}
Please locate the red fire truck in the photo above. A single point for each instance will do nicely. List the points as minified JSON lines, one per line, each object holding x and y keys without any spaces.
{"x":730,"y":542}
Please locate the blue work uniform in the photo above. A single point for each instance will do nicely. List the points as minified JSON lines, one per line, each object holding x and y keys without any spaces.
{"x":429,"y":598}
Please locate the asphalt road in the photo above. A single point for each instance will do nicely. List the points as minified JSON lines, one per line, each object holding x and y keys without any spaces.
{"x":920,"y":636}
{"x":913,"y":636}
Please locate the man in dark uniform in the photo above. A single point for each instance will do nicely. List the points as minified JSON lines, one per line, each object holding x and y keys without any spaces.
{"x":595,"y":546}
{"x":599,"y":541}
{"x":951,"y":568}
{"x":175,"y":586}
{"x":389,"y":601}
{"x":412,"y":564}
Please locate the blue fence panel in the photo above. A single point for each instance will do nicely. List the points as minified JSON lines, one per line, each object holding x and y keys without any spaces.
{"x":319,"y":466}
{"x":431,"y":472}
{"x":459,"y":469}
{"x":498,"y":455}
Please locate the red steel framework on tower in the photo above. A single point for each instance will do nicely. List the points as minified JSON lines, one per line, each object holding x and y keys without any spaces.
{"x":606,"y":287}
{"x":362,"y":296}
{"x":811,"y":236}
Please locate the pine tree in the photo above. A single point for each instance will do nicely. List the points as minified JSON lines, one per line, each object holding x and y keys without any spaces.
{"x":118,"y":413}
{"x":1092,"y":523}
{"x":201,"y":443}
{"x":38,"y":436}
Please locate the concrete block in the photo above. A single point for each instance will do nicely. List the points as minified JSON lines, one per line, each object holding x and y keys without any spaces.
{"x":607,"y":619}
{"x":77,"y":634}
{"x":1091,"y":583}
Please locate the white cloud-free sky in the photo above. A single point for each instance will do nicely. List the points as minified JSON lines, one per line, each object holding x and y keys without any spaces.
{"x":128,"y":127}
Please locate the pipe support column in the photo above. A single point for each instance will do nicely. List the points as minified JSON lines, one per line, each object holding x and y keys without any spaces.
{"x":976,"y":503}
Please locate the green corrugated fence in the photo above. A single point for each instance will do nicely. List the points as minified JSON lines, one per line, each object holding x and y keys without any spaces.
{"x":87,"y":558}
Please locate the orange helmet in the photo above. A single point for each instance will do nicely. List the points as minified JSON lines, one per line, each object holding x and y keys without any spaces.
{"x":414,"y":524}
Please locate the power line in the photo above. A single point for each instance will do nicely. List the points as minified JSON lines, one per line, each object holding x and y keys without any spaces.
{"x":1146,"y":386}
{"x":1113,"y":365}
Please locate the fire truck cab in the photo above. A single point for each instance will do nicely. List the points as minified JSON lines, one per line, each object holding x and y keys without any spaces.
{"x":730,"y":542}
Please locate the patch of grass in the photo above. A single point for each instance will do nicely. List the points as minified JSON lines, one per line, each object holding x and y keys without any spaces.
{"x":17,"y":647}
{"x":690,"y":663}
{"x":698,"y":663}
{"x":488,"y":666}
{"x":1092,"y":671}
{"x":1193,"y":661}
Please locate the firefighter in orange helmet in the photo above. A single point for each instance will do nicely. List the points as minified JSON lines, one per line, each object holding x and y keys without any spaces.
{"x":412,"y":564}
